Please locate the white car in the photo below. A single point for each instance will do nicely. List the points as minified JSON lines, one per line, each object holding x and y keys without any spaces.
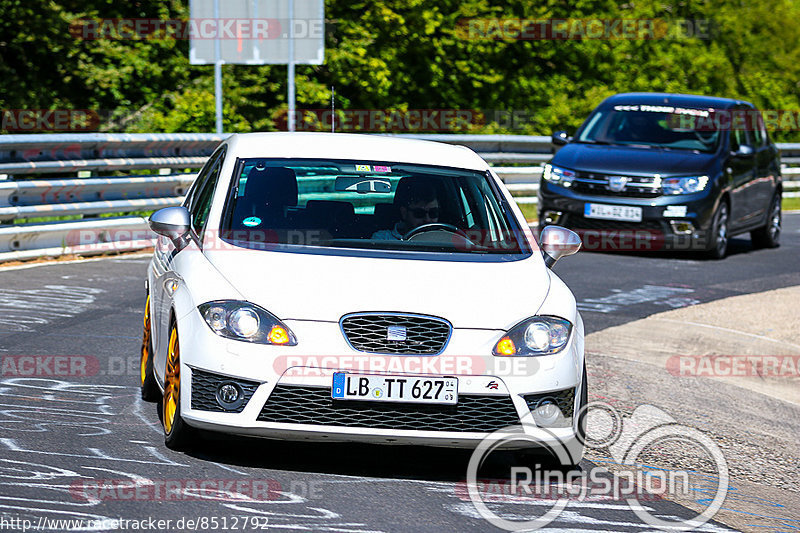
{"x":339,"y":287}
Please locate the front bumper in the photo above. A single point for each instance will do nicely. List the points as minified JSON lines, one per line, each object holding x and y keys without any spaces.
{"x":663,"y":225}
{"x":288,"y":389}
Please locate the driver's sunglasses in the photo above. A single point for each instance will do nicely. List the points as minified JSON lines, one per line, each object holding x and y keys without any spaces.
{"x":418,"y":212}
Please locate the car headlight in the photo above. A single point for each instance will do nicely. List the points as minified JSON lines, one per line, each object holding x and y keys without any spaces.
{"x":685,"y":185}
{"x":538,"y":335}
{"x":559,"y":175}
{"x":247,"y":322}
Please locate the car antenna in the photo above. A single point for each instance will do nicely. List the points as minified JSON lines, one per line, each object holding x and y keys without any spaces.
{"x":333,"y":109}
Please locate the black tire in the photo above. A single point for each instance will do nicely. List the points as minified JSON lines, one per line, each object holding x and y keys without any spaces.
{"x":177,"y":434}
{"x":769,"y":236}
{"x":718,"y":247}
{"x":147,"y":381}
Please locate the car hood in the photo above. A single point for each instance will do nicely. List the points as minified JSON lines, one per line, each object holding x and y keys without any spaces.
{"x":642,"y":161}
{"x":303,"y":286}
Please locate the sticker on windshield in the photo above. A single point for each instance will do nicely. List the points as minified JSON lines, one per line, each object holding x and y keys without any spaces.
{"x":362,"y":168}
{"x":251,"y":221}
{"x":379,"y":168}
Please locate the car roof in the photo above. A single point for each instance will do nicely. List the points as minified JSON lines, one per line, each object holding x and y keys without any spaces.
{"x":365,"y":147}
{"x":687,"y":100}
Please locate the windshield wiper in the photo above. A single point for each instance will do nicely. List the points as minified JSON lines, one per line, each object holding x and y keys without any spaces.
{"x":590,"y":141}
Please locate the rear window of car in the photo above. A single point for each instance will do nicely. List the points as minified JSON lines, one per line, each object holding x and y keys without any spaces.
{"x":367,"y":205}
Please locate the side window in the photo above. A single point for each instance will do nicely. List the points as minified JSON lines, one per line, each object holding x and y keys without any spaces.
{"x":199,"y":181}
{"x":201,"y":202}
{"x":739,"y":137}
{"x":759,"y":130}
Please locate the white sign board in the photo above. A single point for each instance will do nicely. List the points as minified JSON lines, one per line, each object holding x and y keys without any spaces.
{"x":256,"y":32}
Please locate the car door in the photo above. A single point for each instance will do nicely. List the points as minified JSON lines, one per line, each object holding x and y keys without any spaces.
{"x":198,"y":202}
{"x":743,"y":173}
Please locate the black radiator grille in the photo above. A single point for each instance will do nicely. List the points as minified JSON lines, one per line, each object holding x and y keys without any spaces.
{"x":314,"y":405}
{"x":423,"y":335}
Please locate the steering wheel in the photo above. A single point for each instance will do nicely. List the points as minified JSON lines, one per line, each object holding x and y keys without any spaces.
{"x":433,"y":226}
{"x":705,"y":137}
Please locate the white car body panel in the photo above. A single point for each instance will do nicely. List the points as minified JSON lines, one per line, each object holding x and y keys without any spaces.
{"x":449,"y":289}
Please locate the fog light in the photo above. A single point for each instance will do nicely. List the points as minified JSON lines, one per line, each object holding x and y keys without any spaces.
{"x":546,"y":413}
{"x":552,"y":217}
{"x":682,"y":227}
{"x":229,"y":395}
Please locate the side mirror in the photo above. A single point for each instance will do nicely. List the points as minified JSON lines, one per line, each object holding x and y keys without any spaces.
{"x":172,"y":222}
{"x":560,"y":138}
{"x":744,"y":152}
{"x":557,"y":242}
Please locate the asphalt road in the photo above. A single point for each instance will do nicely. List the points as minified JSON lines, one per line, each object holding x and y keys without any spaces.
{"x":615,"y":288}
{"x":77,"y":424}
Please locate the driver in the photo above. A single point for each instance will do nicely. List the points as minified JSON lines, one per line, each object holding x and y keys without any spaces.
{"x":418,"y":205}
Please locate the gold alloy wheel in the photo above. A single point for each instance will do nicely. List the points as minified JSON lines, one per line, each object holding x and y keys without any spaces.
{"x":172,"y":382}
{"x":145,"y":356}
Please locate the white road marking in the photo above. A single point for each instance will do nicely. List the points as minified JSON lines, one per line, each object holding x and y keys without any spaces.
{"x":24,"y":309}
{"x":738,"y":332}
{"x":660,"y":295}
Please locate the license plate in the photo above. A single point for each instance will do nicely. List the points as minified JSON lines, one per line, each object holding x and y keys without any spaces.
{"x":408,"y":389}
{"x":613,"y":212}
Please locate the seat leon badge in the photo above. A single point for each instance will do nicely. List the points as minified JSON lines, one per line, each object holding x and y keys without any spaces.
{"x":396,"y":333}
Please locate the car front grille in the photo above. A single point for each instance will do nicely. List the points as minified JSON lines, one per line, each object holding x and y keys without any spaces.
{"x":411,"y":334}
{"x":636,"y":187}
{"x":314,"y":405}
{"x":204,"y":391}
{"x":564,"y":399}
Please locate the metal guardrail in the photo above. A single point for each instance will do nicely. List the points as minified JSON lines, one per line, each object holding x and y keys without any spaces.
{"x":27,"y":193}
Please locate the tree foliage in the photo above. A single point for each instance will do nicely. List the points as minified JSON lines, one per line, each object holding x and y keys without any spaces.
{"x":404,"y":54}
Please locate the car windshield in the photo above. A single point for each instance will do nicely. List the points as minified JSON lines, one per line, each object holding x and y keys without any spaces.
{"x":367,"y":205}
{"x":651,"y":126}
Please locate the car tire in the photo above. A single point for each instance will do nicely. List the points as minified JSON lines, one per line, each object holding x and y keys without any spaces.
{"x":147,"y":381}
{"x":718,"y":247}
{"x":177,"y":434}
{"x":769,"y":236}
